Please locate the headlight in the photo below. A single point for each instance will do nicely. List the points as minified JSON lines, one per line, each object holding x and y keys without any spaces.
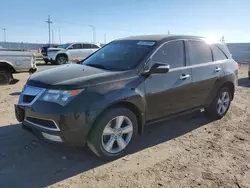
{"x":61,"y":97}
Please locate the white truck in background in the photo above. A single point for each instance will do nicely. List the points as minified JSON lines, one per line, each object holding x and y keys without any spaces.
{"x":70,"y":52}
{"x":12,"y":62}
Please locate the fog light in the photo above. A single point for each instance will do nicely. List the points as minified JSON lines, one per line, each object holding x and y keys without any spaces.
{"x":52,"y":137}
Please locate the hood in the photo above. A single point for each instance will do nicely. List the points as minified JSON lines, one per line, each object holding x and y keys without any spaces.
{"x":73,"y":76}
{"x":55,"y":49}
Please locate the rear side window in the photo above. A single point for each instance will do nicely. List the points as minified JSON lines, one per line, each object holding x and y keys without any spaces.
{"x":218,"y":54}
{"x":172,"y":53}
{"x":200,"y":52}
{"x":94,"y":46}
{"x":86,"y":46}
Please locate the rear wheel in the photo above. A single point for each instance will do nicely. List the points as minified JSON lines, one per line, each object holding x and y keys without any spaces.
{"x":221,"y":104}
{"x":113,"y":133}
{"x":5,"y":77}
{"x":61,"y":59}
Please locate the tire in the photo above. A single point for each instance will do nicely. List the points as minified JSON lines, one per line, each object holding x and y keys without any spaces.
{"x":5,"y":77}
{"x":98,"y":143}
{"x":61,"y":59}
{"x":213,"y":111}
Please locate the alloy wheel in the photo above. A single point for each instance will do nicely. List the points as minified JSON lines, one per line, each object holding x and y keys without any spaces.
{"x":117,"y":134}
{"x":223,"y":103}
{"x":62,"y":60}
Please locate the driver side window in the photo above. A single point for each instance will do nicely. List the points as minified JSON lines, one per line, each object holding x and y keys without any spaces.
{"x":76,"y":46}
{"x":172,"y":53}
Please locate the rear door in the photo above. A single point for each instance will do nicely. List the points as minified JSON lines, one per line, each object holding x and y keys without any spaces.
{"x":205,"y":71}
{"x":169,"y":93}
{"x":85,"y":51}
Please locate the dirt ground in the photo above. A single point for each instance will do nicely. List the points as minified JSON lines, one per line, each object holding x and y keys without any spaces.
{"x":190,"y":151}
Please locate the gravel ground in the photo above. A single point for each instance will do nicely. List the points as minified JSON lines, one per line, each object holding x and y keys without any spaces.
{"x":190,"y":151}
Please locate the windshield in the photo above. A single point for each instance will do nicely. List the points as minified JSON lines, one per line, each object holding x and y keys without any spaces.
{"x":64,"y":46}
{"x":120,"y":55}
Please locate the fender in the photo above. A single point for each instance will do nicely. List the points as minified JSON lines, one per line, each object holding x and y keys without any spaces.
{"x":227,"y":79}
{"x":6,"y":62}
{"x":131,"y":94}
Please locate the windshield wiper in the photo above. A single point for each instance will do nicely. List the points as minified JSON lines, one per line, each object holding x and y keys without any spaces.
{"x":97,"y":66}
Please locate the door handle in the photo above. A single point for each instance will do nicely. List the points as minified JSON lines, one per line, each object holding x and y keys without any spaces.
{"x":184,"y":76}
{"x":217,"y":69}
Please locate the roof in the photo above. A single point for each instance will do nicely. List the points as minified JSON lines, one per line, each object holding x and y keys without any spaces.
{"x":159,"y":37}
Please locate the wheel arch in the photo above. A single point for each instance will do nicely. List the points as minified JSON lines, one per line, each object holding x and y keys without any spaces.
{"x":129,"y":105}
{"x":7,"y":66}
{"x":62,"y":54}
{"x":231,"y":87}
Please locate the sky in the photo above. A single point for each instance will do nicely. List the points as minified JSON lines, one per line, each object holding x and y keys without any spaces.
{"x":25,"y":19}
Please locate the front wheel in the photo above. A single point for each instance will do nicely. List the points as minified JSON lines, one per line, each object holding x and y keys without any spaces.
{"x":221,"y":104}
{"x":61,"y":59}
{"x":113,"y":133}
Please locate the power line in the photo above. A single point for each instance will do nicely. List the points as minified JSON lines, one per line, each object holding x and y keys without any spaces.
{"x":49,"y":22}
{"x":4,"y":34}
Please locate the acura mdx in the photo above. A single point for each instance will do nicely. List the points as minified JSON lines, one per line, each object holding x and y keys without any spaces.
{"x":107,"y":99}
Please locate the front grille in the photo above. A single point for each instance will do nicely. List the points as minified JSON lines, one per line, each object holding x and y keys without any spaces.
{"x":28,"y":98}
{"x":42,"y":122}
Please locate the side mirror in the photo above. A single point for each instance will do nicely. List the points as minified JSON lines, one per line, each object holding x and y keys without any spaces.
{"x":159,"y":68}
{"x":70,"y":48}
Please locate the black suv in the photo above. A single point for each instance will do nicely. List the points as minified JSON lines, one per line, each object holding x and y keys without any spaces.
{"x":106,"y":100}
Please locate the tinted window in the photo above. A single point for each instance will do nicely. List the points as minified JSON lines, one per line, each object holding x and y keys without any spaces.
{"x":86,"y":46}
{"x":120,"y":55}
{"x":64,"y":46}
{"x":200,"y":52}
{"x":218,"y":54}
{"x":171,"y":53}
{"x":76,"y":46}
{"x":94,"y":46}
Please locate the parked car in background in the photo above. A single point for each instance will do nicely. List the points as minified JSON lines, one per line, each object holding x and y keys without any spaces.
{"x":44,"y":51}
{"x":108,"y":98}
{"x":71,"y":52}
{"x":12,"y":62}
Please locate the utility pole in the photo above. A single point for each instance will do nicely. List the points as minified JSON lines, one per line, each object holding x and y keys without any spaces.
{"x":52,"y":38}
{"x":49,"y":22}
{"x":168,"y":32}
{"x":222,"y":39}
{"x":93,"y":28}
{"x":4,"y":34}
{"x":60,"y":36}
{"x":104,"y":38}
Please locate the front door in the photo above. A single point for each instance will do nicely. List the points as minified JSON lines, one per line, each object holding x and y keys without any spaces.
{"x":169,"y":93}
{"x":75,"y":52}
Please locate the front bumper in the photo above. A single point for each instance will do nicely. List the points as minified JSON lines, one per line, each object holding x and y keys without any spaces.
{"x":71,"y":129}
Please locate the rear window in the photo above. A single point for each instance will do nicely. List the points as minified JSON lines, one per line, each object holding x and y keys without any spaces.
{"x":218,"y":54}
{"x":200,"y":52}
